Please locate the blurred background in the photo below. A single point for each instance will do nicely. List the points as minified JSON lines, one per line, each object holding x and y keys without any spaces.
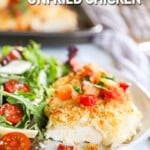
{"x":19,"y":15}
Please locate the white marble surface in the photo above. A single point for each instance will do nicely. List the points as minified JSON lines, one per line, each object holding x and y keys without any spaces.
{"x":91,"y":53}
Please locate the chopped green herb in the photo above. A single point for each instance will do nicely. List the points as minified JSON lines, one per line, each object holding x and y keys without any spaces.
{"x":100,"y":85}
{"x":104,"y":75}
{"x":110,"y":78}
{"x":78,"y":88}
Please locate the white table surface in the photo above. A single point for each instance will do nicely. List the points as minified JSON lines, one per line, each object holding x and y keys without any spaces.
{"x":91,"y":53}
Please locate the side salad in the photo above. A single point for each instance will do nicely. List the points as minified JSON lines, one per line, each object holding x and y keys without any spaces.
{"x":25,"y":78}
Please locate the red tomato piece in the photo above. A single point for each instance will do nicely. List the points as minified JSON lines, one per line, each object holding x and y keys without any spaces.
{"x":109,"y":94}
{"x":13,"y":55}
{"x":12,"y":112}
{"x":88,"y":100}
{"x":65,"y":147}
{"x":124,"y":86}
{"x":12,"y":86}
{"x":15,"y":141}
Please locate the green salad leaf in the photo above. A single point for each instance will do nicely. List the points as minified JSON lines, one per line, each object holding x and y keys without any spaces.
{"x":5,"y":50}
{"x":43,"y":72}
{"x":52,"y":70}
{"x":32,"y":53}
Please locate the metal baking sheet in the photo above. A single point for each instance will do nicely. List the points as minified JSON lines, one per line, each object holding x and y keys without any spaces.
{"x":87,"y":28}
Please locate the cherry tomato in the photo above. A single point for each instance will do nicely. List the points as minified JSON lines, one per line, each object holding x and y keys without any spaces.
{"x":88,"y":100}
{"x":64,"y":92}
{"x":13,"y":55}
{"x":12,"y":112}
{"x":124,"y":86}
{"x":109,"y":94}
{"x":15,"y":141}
{"x":12,"y":86}
{"x":65,"y":147}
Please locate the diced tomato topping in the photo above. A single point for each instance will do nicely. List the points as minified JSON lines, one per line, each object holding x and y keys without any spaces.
{"x":64,"y":92}
{"x":15,"y":141}
{"x":12,"y":112}
{"x":124,"y":86}
{"x":88,"y":71}
{"x":109,"y":94}
{"x":88,"y":100}
{"x":65,"y":147}
{"x":12,"y":86}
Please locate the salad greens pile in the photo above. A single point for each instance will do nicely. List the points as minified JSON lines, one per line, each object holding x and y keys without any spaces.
{"x":41,"y":73}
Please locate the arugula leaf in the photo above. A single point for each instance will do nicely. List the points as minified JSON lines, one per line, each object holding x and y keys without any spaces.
{"x":40,"y":133}
{"x":29,"y":106}
{"x":32,"y":77}
{"x":32,"y":53}
{"x":49,"y":91}
{"x":4,"y":122}
{"x":52,"y":70}
{"x":23,"y":123}
{"x":5,"y":77}
{"x":30,"y":95}
{"x":40,"y":110}
{"x":2,"y":119}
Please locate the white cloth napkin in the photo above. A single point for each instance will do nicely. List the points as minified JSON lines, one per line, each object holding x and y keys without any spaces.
{"x":116,"y":41}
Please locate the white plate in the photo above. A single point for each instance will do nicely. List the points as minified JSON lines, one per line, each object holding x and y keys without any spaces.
{"x":142,"y":100}
{"x":90,"y":53}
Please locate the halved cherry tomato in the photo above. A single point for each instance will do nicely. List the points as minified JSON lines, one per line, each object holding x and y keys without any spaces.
{"x":13,"y":55}
{"x":124,"y":86}
{"x":15,"y":141}
{"x":65,"y":147}
{"x":88,"y":100}
{"x":12,"y":86}
{"x":12,"y":112}
{"x":64,"y":92}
